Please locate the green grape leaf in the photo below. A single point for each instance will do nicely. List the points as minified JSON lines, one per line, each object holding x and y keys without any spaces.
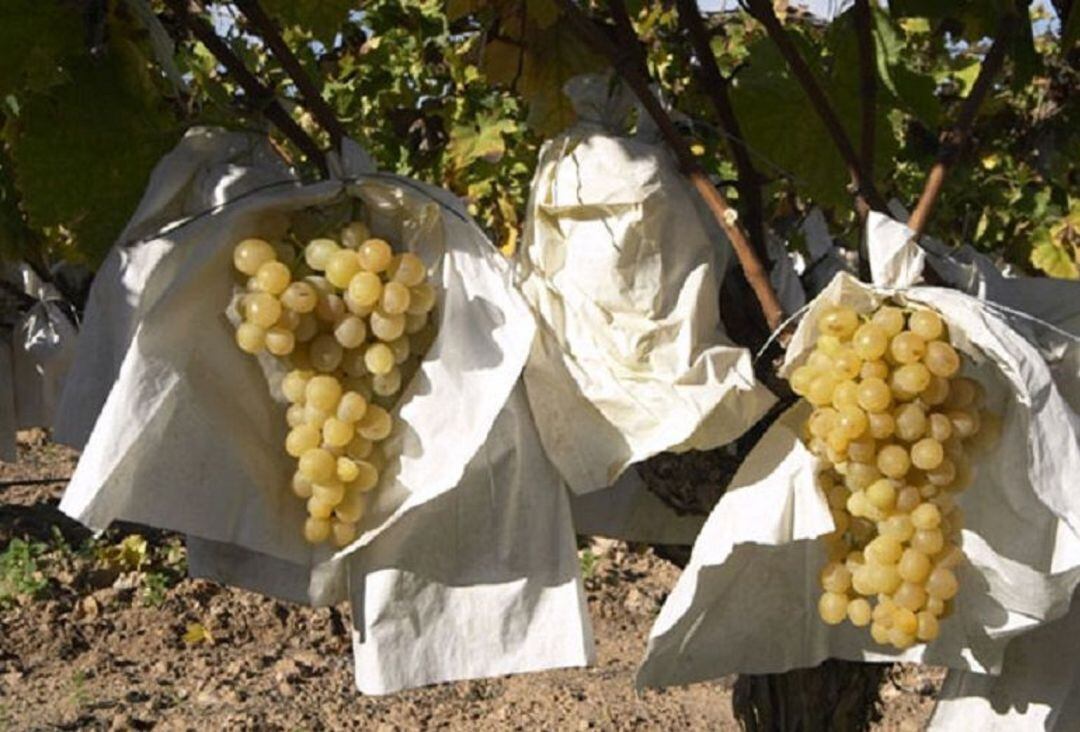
{"x":83,"y":150}
{"x":34,"y":36}
{"x":977,"y":18}
{"x":914,"y":90}
{"x":1070,"y":27}
{"x":323,"y":18}
{"x":1054,"y":260}
{"x":481,"y":139}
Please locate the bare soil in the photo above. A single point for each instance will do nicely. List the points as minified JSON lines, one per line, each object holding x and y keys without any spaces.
{"x":108,"y":633}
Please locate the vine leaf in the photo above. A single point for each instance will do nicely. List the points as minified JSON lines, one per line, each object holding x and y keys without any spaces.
{"x":481,"y":139}
{"x":1056,"y":249}
{"x":34,"y":36}
{"x":83,"y":150}
{"x":323,"y":18}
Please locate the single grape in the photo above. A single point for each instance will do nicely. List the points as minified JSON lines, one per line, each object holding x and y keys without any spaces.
{"x":351,"y":509}
{"x":250,"y":337}
{"x":379,"y":359}
{"x":943,"y":475}
{"x":272,"y":277}
{"x":820,"y":390}
{"x":846,"y":364}
{"x":832,"y":607}
{"x":906,"y":347}
{"x":912,"y":377}
{"x":879,"y":633}
{"x":889,"y":319}
{"x":926,"y":516}
{"x":874,"y":370}
{"x":860,"y":475}
{"x":323,"y":392}
{"x":387,"y":326}
{"x":927,"y":454}
{"x":337,"y":433}
{"x":885,"y":578}
{"x":347,"y":470}
{"x":941,"y":583}
{"x":350,"y":331}
{"x":870,"y":342}
{"x":904,"y":620}
{"x":279,"y":341}
{"x":835,"y":577}
{"x":910,"y":422}
{"x":409,"y":270}
{"x":375,"y":255}
{"x":344,"y":533}
{"x":862,"y":450}
{"x":874,"y":395}
{"x":910,"y":596}
{"x":316,"y":530}
{"x":898,"y":527}
{"x":928,"y":628}
{"x":301,"y":486}
{"x":307,"y":329}
{"x":840,"y":321}
{"x":908,"y":499}
{"x":941,"y":359}
{"x":330,"y":491}
{"x":317,"y":465}
{"x":318,"y":508}
{"x":395,"y":298}
{"x":926,"y":324}
{"x":421,"y":299}
{"x":928,"y":541}
{"x":262,"y":309}
{"x":914,"y":566}
{"x":318,"y":252}
{"x":801,"y":379}
{"x":965,"y":423}
{"x":360,"y":448}
{"x":882,"y":493}
{"x":368,"y":477}
{"x":936,"y":392}
{"x":315,"y":417}
{"x":940,"y":427}
{"x":400,"y":347}
{"x":352,"y":406}
{"x":883,"y":612}
{"x":851,"y":422}
{"x":901,"y":640}
{"x":962,"y":393}
{"x":881,"y":425}
{"x":326,"y":353}
{"x":250,"y":254}
{"x":415,"y":322}
{"x":883,"y":550}
{"x":387,"y":384}
{"x":354,"y":234}
{"x":376,"y":423}
{"x":893,"y":461}
{"x":289,"y":320}
{"x":330,"y":308}
{"x":846,"y":394}
{"x":301,"y":439}
{"x":294,"y":415}
{"x":341,"y":267}
{"x":365,"y":289}
{"x":858,"y":612}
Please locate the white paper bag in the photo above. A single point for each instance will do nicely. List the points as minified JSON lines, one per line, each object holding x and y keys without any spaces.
{"x":748,"y":603}
{"x":621,"y":268}
{"x":7,"y":399}
{"x":472,"y":532}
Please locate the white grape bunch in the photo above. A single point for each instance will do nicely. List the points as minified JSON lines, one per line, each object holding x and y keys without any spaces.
{"x":351,"y":319}
{"x":893,"y":421}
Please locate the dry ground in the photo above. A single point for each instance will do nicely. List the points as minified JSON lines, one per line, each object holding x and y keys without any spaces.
{"x":92,"y":636}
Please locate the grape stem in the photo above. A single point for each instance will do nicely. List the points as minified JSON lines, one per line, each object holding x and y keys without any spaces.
{"x":313,"y":98}
{"x":625,"y":56}
{"x":955,"y":140}
{"x":262,"y":97}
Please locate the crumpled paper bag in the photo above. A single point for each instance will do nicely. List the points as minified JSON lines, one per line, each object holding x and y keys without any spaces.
{"x":619,"y":265}
{"x":747,"y":601}
{"x":189,"y":440}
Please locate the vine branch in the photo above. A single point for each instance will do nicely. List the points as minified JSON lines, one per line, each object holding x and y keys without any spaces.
{"x":623,"y":57}
{"x":864,"y":33}
{"x":716,"y":87}
{"x":866,"y":194}
{"x":258,"y":92}
{"x":312,"y":97}
{"x":954,"y":140}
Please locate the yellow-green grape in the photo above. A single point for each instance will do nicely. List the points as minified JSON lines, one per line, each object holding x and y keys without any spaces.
{"x":352,"y":363}
{"x":832,"y":607}
{"x":908,"y":499}
{"x":927,"y":454}
{"x":883,"y":612}
{"x":837,"y":443}
{"x":354,"y":234}
{"x":301,"y":486}
{"x":962,"y":393}
{"x":901,"y":640}
{"x":375,"y":255}
{"x":329,"y":491}
{"x":330,"y":308}
{"x":846,"y":364}
{"x":307,"y":329}
{"x":400,"y":347}
{"x":294,"y":415}
{"x":318,"y":252}
{"x":910,"y":420}
{"x":941,"y":359}
{"x":881,"y":425}
{"x":801,"y":378}
{"x":368,"y":477}
{"x":820,"y":390}
{"x":355,"y":307}
{"x":926,"y":516}
{"x":341,"y":266}
{"x":289,"y":320}
{"x":889,"y":319}
{"x":846,"y":394}
{"x":914,"y":566}
{"x":359,"y":448}
{"x":273,"y":277}
{"x":387,"y":326}
{"x":365,"y":289}
{"x":840,"y":321}
{"x":409,"y":270}
{"x":910,"y":596}
{"x":965,"y":424}
{"x":861,"y":580}
{"x":250,"y":337}
{"x":885,"y":578}
{"x":250,"y":254}
{"x":352,"y":406}
{"x":344,"y":533}
{"x":317,"y":465}
{"x":421,"y":298}
{"x":893,"y":461}
{"x":928,"y":628}
{"x":860,"y":475}
{"x":279,"y":341}
{"x":321,"y":284}
{"x":879,"y":633}
{"x":928,"y":541}
{"x":862,"y":450}
{"x":301,"y":439}
{"x":941,"y":583}
{"x":951,"y":557}
{"x":937,"y":607}
{"x":395,"y":298}
{"x":315,"y":416}
{"x":940,"y":427}
{"x":874,"y":370}
{"x":898,"y":527}
{"x":851,"y":422}
{"x":316,"y":530}
{"x":379,"y":359}
{"x":323,"y":392}
{"x":883,"y":550}
{"x":326,"y":353}
{"x":376,"y":423}
{"x":936,"y":392}
{"x":912,"y":377}
{"x":874,"y":395}
{"x":906,"y":347}
{"x":835,"y":577}
{"x":350,"y":331}
{"x":352,"y":509}
{"x":820,"y":362}
{"x":926,"y":324}
{"x":294,"y":383}
{"x":262,"y":309}
{"x":337,"y":432}
{"x":904,"y":620}
{"x":415,"y":322}
{"x":858,"y":612}
{"x":347,"y":470}
{"x":386,"y":384}
{"x":882,"y":493}
{"x":870,"y":342}
{"x":318,"y":508}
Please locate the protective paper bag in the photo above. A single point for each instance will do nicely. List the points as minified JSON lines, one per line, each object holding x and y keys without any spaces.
{"x":621,"y":269}
{"x":749,"y":605}
{"x":7,"y":399}
{"x":629,"y":511}
{"x":472,"y":539}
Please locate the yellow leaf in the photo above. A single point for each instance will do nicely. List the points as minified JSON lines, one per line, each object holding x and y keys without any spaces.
{"x":697,"y":149}
{"x":509,"y":243}
{"x":990,"y":161}
{"x":198,"y":633}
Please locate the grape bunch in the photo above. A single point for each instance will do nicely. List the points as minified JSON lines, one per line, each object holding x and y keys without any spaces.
{"x":351,"y":319}
{"x":894,"y":422}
